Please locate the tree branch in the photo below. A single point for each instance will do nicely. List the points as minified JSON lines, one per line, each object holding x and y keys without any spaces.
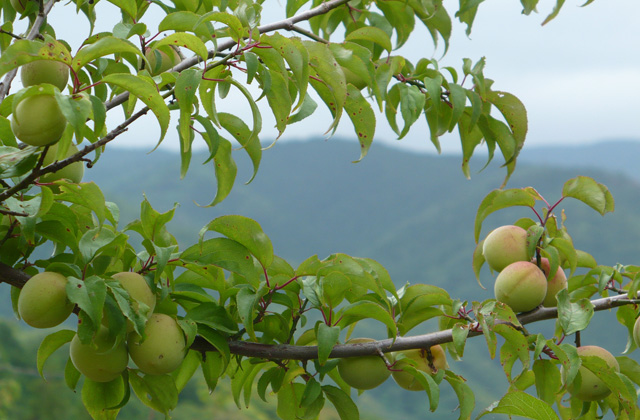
{"x":17,"y":278}
{"x":288,"y":24}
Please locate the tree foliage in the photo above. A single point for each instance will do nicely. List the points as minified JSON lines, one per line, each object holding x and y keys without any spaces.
{"x":244,"y":312}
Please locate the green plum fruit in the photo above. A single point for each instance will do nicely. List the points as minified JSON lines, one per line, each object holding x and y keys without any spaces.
{"x":160,"y":61}
{"x":591,"y":387}
{"x":55,"y":73}
{"x":164,"y":348}
{"x":103,"y":359}
{"x":43,"y":302}
{"x":419,"y":356}
{"x":554,"y":284}
{"x":363,"y":372}
{"x":505,"y":245}
{"x":73,"y":173}
{"x":139,"y":291}
{"x":356,"y":80}
{"x":521,"y":285}
{"x":38,"y":120}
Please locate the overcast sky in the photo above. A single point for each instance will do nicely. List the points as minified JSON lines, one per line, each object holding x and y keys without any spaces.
{"x":578,"y":76}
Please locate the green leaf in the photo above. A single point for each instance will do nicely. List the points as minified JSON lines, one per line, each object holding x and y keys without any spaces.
{"x":293,"y":51}
{"x":50,"y":344}
{"x":514,"y":113}
{"x":128,"y":6}
{"x":185,"y":91}
{"x":590,"y":192}
{"x":235,"y":28}
{"x":145,"y":91}
{"x":104,"y":46}
{"x":327,"y":338}
{"x":99,"y":398}
{"x":554,"y":13}
{"x":182,"y":39}
{"x":224,"y":253}
{"x":372,"y":34}
{"x":212,"y":368}
{"x":186,"y":370}
{"x":225,"y":169}
{"x":213,"y":315}
{"x":156,"y":391}
{"x":184,"y":21}
{"x":346,"y":408}
{"x":245,"y":231}
{"x":89,"y":295}
{"x":365,"y":309}
{"x":333,"y":87}
{"x":220,"y":343}
{"x":243,"y":135}
{"x":573,"y":316}
{"x":548,"y":380}
{"x":501,"y":199}
{"x":464,"y":393}
{"x":518,"y":403}
{"x":460,"y":332}
{"x":363,"y":118}
{"x":247,"y":302}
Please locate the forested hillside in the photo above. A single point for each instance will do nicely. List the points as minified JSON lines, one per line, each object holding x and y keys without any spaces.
{"x":319,"y":202}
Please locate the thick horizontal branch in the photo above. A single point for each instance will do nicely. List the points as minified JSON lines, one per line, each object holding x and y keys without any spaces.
{"x":288,"y":24}
{"x":291,"y":352}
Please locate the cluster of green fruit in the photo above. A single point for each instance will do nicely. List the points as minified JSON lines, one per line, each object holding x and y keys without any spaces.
{"x":368,"y":372}
{"x":521,"y":284}
{"x":37,"y":119}
{"x":43,"y":303}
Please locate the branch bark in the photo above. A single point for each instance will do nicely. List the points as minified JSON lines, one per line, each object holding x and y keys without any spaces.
{"x":17,"y":278}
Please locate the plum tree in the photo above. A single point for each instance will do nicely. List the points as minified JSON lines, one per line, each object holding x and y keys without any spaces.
{"x":419,"y":359}
{"x":43,"y":301}
{"x":55,"y":73}
{"x":591,"y":387}
{"x":139,"y":290}
{"x":73,"y":172}
{"x":364,"y":372}
{"x":229,"y":305}
{"x":38,"y":120}
{"x":554,"y":284}
{"x":163,"y":348}
{"x":102,"y":359}
{"x":505,"y":245}
{"x":521,"y":285}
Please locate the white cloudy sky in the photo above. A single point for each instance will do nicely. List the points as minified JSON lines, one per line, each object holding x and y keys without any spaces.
{"x":579,"y":75}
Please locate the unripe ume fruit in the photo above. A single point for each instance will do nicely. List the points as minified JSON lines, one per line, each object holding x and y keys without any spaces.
{"x":43,"y":302}
{"x":408,"y":381}
{"x":505,"y":245}
{"x":102,"y":360}
{"x":554,"y":284}
{"x":55,"y":73}
{"x":38,"y":120}
{"x":139,"y":291}
{"x":521,"y":285}
{"x":363,"y":372}
{"x":73,"y":173}
{"x":164,"y":348}
{"x":591,"y":387}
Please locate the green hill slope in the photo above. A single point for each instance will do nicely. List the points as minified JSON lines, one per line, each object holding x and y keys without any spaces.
{"x":414,"y":213}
